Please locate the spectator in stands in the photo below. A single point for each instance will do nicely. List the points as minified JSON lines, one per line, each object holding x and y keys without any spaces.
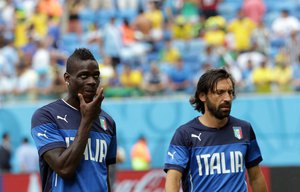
{"x":39,"y":20}
{"x":263,"y":78}
{"x":25,"y":81}
{"x":41,"y":59}
{"x":112,"y":42}
{"x":214,"y":34}
{"x":246,"y":84}
{"x":172,"y":8}
{"x":260,"y":38}
{"x":107,"y":71}
{"x":241,"y":27}
{"x":179,"y":77}
{"x":293,"y":46}
{"x":27,"y":157}
{"x":282,"y":75}
{"x":8,"y":17}
{"x":131,"y":79}
{"x":210,"y":56}
{"x":140,"y":155}
{"x":50,"y":7}
{"x":133,"y":51}
{"x":74,"y":25}
{"x":155,"y":15}
{"x":100,"y":5}
{"x":181,"y":29}
{"x":169,"y":54}
{"x":155,"y":81}
{"x":254,"y":9}
{"x":208,"y":8}
{"x":204,"y":67}
{"x":283,"y":25}
{"x":142,"y":26}
{"x":5,"y":154}
{"x":190,"y":10}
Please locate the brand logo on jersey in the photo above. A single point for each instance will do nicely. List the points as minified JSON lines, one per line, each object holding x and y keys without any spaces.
{"x":238,"y":132}
{"x":42,"y":134}
{"x":196,"y":136}
{"x":95,"y":150}
{"x":220,"y":163}
{"x":103,"y":123}
{"x":171,"y":154}
{"x":62,"y":118}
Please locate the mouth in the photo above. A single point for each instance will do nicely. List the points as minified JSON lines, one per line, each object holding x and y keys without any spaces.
{"x":225,"y":107}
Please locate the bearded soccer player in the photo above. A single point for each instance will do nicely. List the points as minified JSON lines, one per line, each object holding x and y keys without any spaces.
{"x":75,"y":138}
{"x":212,"y":152}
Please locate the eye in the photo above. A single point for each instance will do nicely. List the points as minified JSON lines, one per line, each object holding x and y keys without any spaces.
{"x":96,"y":76}
{"x":83,"y":76}
{"x":221,"y":92}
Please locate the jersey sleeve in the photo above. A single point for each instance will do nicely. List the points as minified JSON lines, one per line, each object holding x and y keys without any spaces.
{"x":253,"y":155}
{"x":45,"y":133}
{"x":112,"y":148}
{"x":177,"y":156}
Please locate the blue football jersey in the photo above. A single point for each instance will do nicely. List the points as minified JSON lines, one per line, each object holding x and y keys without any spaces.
{"x":213,"y":159}
{"x":55,"y":126}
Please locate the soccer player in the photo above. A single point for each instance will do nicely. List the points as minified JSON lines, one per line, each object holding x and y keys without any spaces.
{"x":75,"y":138}
{"x":213,"y":151}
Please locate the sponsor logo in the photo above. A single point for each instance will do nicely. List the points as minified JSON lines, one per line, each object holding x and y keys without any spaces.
{"x":171,"y":154}
{"x":62,"y":118}
{"x":42,"y":134}
{"x":196,"y":136}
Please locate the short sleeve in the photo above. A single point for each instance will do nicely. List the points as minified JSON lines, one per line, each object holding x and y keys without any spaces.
{"x":45,"y":132}
{"x":177,"y":156}
{"x":253,"y":155}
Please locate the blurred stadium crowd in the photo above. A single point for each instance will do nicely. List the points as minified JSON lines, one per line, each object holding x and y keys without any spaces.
{"x":149,"y":47}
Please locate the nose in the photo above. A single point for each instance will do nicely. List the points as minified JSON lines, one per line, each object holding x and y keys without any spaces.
{"x":91,"y":81}
{"x":228,"y":96}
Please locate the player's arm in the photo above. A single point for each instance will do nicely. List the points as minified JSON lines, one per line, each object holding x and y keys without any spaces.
{"x":173,"y":181}
{"x":65,"y":161}
{"x":256,"y":179}
{"x":108,"y":180}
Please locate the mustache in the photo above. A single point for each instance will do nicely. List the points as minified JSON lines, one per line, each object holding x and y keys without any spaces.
{"x":225,"y":104}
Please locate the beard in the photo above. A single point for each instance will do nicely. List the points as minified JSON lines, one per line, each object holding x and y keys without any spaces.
{"x":217,"y":111}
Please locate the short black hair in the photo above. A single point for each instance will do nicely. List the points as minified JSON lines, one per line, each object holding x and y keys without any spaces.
{"x":207,"y":83}
{"x":80,"y":54}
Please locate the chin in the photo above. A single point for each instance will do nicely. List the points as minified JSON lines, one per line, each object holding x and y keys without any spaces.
{"x":88,"y":99}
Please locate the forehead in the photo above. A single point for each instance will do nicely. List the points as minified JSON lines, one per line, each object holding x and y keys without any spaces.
{"x":87,"y":65}
{"x":224,"y":84}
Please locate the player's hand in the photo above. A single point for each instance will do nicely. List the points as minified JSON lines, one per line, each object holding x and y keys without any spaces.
{"x":91,"y":110}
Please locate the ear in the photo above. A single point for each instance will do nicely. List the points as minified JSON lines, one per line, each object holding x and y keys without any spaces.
{"x":66,"y":77}
{"x":202,"y":97}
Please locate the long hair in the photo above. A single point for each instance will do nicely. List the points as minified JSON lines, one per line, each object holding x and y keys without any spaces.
{"x":80,"y":54}
{"x":206,"y":83}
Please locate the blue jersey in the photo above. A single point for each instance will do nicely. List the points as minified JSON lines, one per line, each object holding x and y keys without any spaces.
{"x":213,"y":159}
{"x":55,"y":126}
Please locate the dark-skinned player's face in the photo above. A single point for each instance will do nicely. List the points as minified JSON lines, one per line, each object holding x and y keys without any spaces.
{"x":85,"y":79}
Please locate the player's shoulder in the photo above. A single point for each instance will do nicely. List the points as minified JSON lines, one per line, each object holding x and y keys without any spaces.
{"x":107,"y":116}
{"x":49,"y":107}
{"x":239,"y":122}
{"x":187,"y":127}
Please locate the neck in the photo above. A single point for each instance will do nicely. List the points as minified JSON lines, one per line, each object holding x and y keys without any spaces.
{"x":72,"y":101}
{"x":213,"y":122}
